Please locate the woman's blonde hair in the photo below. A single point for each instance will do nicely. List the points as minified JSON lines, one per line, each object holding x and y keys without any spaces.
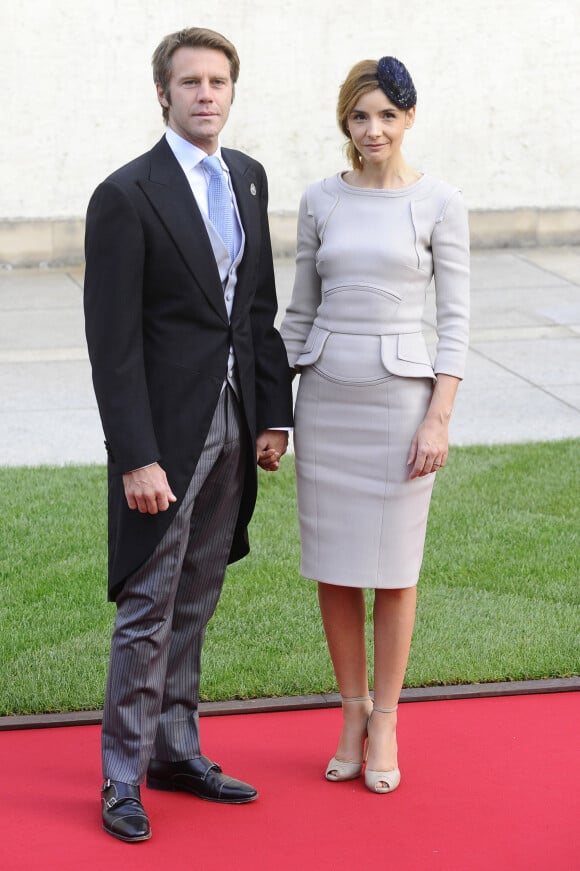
{"x":361,"y":80}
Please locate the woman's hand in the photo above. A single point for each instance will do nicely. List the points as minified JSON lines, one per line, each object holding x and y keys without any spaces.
{"x":430,"y":445}
{"x":429,"y":448}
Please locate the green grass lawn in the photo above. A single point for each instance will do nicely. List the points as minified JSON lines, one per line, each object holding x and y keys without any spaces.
{"x":498,"y":595}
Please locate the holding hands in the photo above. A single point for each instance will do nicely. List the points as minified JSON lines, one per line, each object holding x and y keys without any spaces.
{"x":271,"y":444}
{"x":147,"y":490}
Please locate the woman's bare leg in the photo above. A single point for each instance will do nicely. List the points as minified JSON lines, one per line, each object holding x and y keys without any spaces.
{"x":343,"y":617}
{"x":394,"y":619}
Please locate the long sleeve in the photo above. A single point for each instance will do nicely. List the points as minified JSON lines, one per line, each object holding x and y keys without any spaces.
{"x":115,"y":255}
{"x":450,"y":246}
{"x":306,"y":295}
{"x":272,"y":382}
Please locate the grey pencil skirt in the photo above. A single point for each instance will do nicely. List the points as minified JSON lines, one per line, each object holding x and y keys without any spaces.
{"x":362,"y":521}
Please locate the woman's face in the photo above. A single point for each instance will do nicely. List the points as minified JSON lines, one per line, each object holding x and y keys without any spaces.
{"x":377,"y":126}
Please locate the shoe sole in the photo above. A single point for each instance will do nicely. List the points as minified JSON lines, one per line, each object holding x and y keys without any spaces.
{"x":171,"y":787}
{"x":125,"y":839}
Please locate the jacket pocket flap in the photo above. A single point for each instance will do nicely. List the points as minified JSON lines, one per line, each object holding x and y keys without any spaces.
{"x":412,"y":348}
{"x":406,"y":354}
{"x":313,"y":346}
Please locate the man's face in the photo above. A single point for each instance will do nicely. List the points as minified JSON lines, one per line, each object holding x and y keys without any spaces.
{"x":200,"y":95}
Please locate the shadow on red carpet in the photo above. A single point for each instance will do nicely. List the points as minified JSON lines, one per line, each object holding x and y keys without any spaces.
{"x":486,"y":784}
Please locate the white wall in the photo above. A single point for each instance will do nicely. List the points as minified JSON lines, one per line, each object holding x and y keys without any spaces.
{"x":498,"y":84}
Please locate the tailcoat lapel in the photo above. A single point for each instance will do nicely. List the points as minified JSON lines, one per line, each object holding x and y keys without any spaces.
{"x":245,"y":187}
{"x":169,"y":193}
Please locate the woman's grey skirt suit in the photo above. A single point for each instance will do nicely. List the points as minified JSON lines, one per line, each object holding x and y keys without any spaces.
{"x":353,"y":330}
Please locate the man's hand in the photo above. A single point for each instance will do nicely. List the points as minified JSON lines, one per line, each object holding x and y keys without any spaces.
{"x":147,"y":489}
{"x":271,"y":444}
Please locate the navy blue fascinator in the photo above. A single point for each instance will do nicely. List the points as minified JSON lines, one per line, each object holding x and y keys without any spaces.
{"x":395,"y":81}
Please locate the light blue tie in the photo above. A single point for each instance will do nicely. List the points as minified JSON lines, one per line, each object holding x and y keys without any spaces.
{"x":219,"y":203}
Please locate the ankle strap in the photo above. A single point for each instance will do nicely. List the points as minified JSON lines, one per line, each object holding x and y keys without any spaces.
{"x":356,"y":699}
{"x":385,"y":710}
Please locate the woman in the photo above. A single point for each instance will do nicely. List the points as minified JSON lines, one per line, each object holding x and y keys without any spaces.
{"x":372,"y":412}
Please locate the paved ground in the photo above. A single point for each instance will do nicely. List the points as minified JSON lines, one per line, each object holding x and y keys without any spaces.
{"x":522,"y":384}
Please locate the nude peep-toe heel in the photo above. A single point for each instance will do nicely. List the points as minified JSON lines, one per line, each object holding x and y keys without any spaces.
{"x":382,"y":781}
{"x":337,"y":769}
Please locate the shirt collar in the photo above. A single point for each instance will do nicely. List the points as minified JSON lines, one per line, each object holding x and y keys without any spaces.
{"x":187,"y":154}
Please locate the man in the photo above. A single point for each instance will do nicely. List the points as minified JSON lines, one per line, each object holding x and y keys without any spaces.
{"x":192,"y":385}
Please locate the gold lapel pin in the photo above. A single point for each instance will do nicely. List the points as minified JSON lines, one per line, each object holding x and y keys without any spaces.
{"x":253,"y":189}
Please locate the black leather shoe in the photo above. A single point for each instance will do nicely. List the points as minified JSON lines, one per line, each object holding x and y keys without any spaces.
{"x":200,"y":776}
{"x":123,"y":814}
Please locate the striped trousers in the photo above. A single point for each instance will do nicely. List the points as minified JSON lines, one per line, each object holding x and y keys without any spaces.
{"x":162,"y":612}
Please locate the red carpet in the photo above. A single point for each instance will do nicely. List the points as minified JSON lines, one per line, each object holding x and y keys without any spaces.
{"x":487,"y":784}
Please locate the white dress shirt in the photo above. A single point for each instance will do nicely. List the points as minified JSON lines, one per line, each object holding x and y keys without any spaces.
{"x":190,"y":159}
